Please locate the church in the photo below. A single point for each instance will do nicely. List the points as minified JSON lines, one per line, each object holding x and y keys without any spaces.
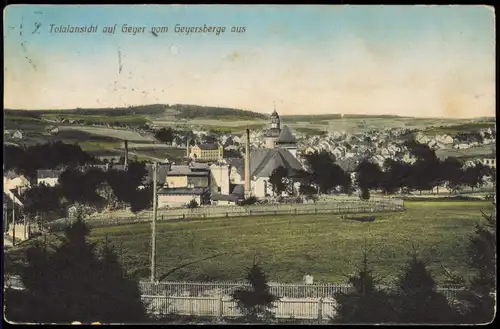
{"x":280,"y":149}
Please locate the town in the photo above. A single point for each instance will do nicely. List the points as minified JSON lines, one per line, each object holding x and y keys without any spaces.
{"x":215,"y":168}
{"x":314,"y":165}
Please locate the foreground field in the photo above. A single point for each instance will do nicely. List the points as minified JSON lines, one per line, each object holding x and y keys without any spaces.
{"x":324,"y":246}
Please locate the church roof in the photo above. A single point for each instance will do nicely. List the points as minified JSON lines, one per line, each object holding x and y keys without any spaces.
{"x":273,"y":132}
{"x":264,"y":161}
{"x":286,"y":136}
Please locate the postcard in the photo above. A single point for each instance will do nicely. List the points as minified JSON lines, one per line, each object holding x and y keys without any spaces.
{"x":249,"y":164}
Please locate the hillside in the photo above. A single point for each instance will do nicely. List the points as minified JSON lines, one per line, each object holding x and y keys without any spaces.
{"x":154,"y":111}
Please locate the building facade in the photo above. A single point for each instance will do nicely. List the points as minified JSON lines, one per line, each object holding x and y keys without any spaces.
{"x":207,"y":152}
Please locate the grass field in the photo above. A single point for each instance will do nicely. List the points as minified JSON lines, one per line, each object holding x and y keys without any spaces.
{"x":466,"y":127}
{"x":467,"y":153}
{"x":122,"y":134}
{"x":323,"y":245}
{"x":125,"y":119}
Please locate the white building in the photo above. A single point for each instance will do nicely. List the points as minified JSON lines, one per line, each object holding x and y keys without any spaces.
{"x":18,"y":134}
{"x":13,"y":181}
{"x":180,"y":197}
{"x":48,"y":177}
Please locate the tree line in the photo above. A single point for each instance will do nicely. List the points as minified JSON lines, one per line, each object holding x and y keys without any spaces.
{"x":26,"y":160}
{"x":75,"y":280}
{"x":395,"y":176}
{"x":95,"y":188}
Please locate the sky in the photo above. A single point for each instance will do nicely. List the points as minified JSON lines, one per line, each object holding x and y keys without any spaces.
{"x":420,"y":61}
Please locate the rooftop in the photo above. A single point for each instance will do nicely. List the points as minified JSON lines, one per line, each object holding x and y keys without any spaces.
{"x":183,"y":191}
{"x":49,"y":173}
{"x":264,"y":161}
{"x":286,"y":136}
{"x":208,"y":146}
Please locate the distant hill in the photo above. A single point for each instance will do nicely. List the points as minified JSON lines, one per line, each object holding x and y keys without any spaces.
{"x":325,"y":117}
{"x":196,"y":111}
{"x":157,"y":111}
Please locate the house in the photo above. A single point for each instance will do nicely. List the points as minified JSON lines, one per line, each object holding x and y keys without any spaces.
{"x":421,"y":138}
{"x":236,"y":195}
{"x":179,"y":197}
{"x":53,"y":130}
{"x":339,"y":152}
{"x":490,"y":161}
{"x":48,"y":177}
{"x":105,"y":156}
{"x":18,"y":134}
{"x":262,"y":164}
{"x":445,"y":139}
{"x":207,"y":152}
{"x":461,"y":146}
{"x":187,"y":177}
{"x":11,"y":180}
{"x":161,"y":174}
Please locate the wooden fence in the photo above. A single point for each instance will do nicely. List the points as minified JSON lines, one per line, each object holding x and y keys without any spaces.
{"x":341,"y":206}
{"x":224,"y":289}
{"x":212,"y":299}
{"x":222,"y":307}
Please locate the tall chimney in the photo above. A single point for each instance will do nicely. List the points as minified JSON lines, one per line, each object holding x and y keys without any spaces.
{"x":188,"y":140}
{"x":126,"y":153}
{"x":247,"y":165}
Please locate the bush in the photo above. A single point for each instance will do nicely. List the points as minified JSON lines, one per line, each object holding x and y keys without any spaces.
{"x":249,"y":201}
{"x":364,"y":194}
{"x":192,"y":204}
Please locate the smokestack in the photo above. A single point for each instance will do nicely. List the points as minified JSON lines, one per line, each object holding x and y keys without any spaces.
{"x":188,"y":140}
{"x":126,"y":153}
{"x":247,"y":164}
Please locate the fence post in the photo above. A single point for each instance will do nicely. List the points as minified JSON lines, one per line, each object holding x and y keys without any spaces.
{"x":166,"y":304}
{"x":320,"y":310}
{"x":221,"y":308}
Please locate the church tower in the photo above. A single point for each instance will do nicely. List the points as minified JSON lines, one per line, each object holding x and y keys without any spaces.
{"x":275,"y":120}
{"x":274,"y":129}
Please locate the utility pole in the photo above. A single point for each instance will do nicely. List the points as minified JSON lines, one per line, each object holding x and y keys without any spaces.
{"x":13,"y":222}
{"x":25,"y":231}
{"x":153,"y":225}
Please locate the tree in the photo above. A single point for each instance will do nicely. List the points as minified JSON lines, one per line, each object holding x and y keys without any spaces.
{"x":369,"y":175}
{"x":478,"y":304}
{"x":40,"y":201}
{"x":451,"y":173}
{"x":279,"y":180}
{"x":325,"y":174}
{"x":166,"y":135}
{"x":364,"y":303}
{"x":396,"y":175}
{"x":474,"y":176}
{"x":121,"y":295}
{"x":309,"y":192}
{"x":364,"y":194}
{"x":105,"y":191}
{"x":255,"y":303}
{"x":73,"y":283}
{"x":143,"y":199}
{"x":417,"y":299}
